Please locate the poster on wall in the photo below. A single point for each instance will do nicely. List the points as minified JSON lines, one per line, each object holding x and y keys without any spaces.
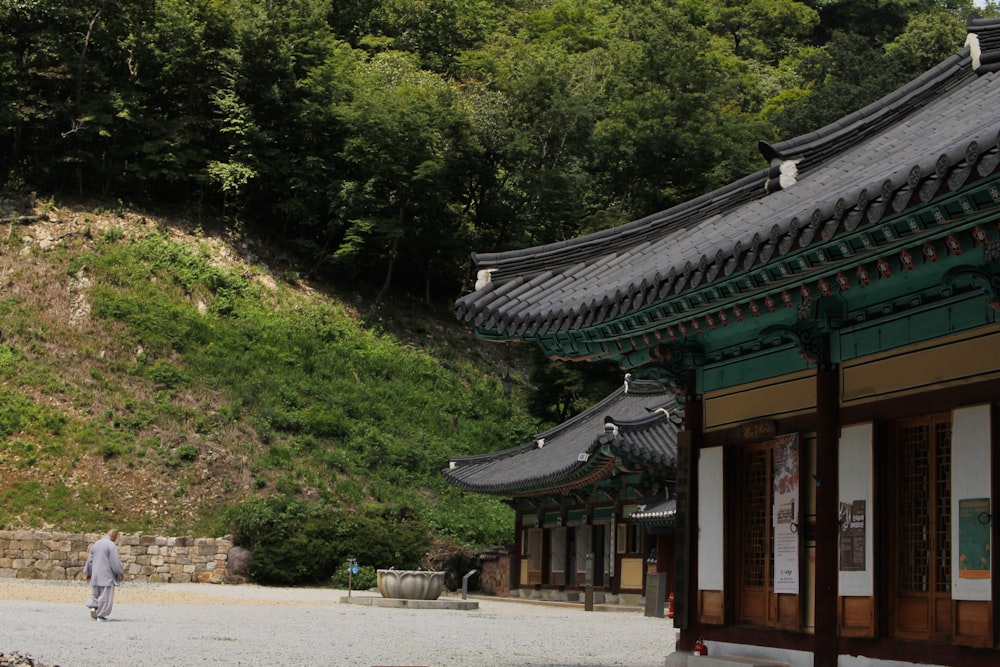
{"x":785,"y":519}
{"x":974,"y":538}
{"x":852,"y":536}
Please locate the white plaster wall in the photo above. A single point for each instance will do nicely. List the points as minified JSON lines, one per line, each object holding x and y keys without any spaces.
{"x":970,"y":478}
{"x":711,"y":529}
{"x":855,"y":473}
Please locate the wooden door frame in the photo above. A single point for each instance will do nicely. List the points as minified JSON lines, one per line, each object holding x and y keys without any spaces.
{"x":937,"y":602}
{"x":777,"y":610}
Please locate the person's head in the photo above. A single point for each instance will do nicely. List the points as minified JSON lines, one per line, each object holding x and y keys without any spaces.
{"x":113,"y":534}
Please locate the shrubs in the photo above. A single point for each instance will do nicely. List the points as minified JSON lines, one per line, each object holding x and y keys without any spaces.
{"x":288,"y":539}
{"x":367,"y":577}
{"x":299,"y":542}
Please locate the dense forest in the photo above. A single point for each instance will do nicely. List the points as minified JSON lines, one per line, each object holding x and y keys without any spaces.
{"x":215,"y":340}
{"x":382,"y":140}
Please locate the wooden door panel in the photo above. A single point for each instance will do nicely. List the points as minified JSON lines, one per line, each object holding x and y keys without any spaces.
{"x":753,"y":606}
{"x":912,"y":616}
{"x":857,"y":616}
{"x":710,"y":607}
{"x":788,"y":611}
{"x":941,"y":620}
{"x":973,"y":622}
{"x":534,"y":556}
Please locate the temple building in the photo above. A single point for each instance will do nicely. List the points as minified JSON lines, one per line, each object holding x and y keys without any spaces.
{"x":829,"y":327}
{"x":575,"y":489}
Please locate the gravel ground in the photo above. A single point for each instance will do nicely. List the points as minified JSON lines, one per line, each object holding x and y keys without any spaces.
{"x":205,"y":624}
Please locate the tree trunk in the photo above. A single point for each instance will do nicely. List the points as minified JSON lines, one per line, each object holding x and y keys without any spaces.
{"x":393,"y":251}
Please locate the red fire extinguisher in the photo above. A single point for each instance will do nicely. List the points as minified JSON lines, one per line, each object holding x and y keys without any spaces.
{"x":670,"y":605}
{"x":700,"y":648}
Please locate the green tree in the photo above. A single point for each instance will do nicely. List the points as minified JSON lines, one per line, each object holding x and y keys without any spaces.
{"x":56,"y":105}
{"x":764,"y":30}
{"x":879,"y":21}
{"x":928,"y":39}
{"x":437,"y":31}
{"x":534,"y":99}
{"x":561,"y":390}
{"x":402,"y":125}
{"x":266,"y":110}
{"x":167,"y":130}
{"x":679,"y":120}
{"x":31,"y":74}
{"x":839,"y":77}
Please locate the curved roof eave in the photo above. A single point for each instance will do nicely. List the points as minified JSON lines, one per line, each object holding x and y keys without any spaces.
{"x":575,"y":475}
{"x":936,"y":133}
{"x":633,"y":421}
{"x":811,"y":147}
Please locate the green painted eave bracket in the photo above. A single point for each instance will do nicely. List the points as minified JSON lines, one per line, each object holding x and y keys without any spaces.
{"x":917,"y":247}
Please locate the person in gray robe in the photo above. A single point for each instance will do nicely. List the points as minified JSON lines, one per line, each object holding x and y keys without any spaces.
{"x":104,"y":572}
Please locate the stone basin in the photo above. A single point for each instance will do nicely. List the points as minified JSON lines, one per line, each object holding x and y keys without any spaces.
{"x":410,"y":584}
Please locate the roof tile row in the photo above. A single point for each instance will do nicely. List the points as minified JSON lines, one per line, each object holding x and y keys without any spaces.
{"x":643,"y":431}
{"x":936,"y":133}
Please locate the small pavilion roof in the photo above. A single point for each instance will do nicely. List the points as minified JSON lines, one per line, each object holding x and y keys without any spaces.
{"x":933,"y":135}
{"x":632,"y":422}
{"x":655,"y":512}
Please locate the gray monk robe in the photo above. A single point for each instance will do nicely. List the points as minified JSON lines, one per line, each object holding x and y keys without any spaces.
{"x":104,"y":570}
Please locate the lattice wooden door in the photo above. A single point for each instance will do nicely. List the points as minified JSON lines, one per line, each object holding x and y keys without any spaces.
{"x":922,"y":605}
{"x":756,"y":535}
{"x":758,"y":603}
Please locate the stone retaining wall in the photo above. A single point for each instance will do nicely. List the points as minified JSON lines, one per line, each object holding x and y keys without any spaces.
{"x":146,"y":558}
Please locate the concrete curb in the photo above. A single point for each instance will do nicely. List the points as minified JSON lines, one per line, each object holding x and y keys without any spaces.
{"x":567,"y":604}
{"x":440,"y":603}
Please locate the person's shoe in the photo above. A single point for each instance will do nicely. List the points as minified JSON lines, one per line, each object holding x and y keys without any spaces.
{"x":103,"y":618}
{"x":93,"y":614}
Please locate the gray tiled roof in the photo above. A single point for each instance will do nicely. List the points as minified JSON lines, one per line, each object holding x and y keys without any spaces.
{"x":933,"y":135}
{"x":553,"y":458}
{"x":658,"y":512}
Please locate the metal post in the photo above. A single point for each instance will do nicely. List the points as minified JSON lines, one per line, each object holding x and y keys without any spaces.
{"x":465,"y":582}
{"x":352,"y":568}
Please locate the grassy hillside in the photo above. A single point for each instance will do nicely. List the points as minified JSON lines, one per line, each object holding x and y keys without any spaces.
{"x":154,"y":375}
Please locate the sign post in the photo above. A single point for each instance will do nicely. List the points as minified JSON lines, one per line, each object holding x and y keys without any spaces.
{"x":352,"y":569}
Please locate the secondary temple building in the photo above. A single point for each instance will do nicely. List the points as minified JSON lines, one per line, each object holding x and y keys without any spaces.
{"x":584,"y":492}
{"x":830,"y":326}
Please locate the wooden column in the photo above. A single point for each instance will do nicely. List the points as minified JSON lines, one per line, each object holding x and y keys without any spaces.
{"x":827,"y":513}
{"x":515,"y":556}
{"x":665,"y":557}
{"x":995,"y":522}
{"x":686,"y":532}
